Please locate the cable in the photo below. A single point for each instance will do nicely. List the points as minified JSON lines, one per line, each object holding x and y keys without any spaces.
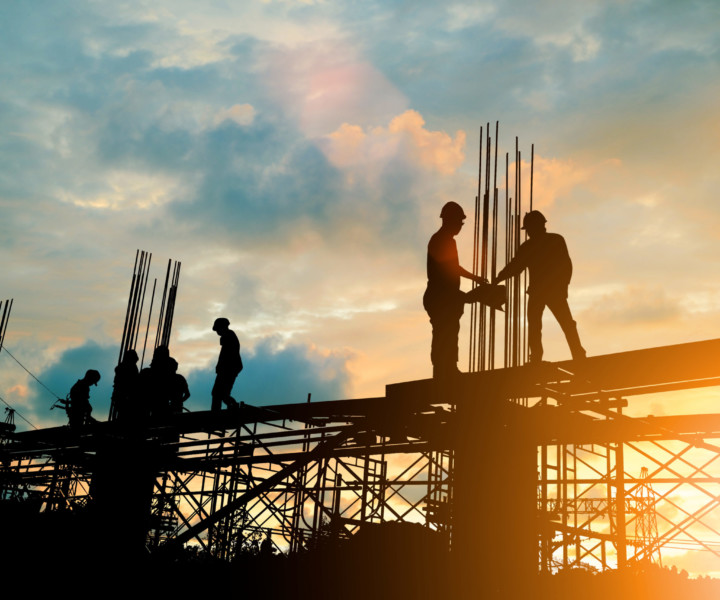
{"x":17,"y":413}
{"x":29,"y":373}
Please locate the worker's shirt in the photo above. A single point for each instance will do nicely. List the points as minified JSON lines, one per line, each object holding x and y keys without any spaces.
{"x":229,"y":361}
{"x":548,"y":261}
{"x":80,"y":395}
{"x":443,"y":266}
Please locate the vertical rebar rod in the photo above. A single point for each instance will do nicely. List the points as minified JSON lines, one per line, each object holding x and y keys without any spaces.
{"x":135,"y":303}
{"x":484,"y":250}
{"x":493,"y":266}
{"x":476,"y":229}
{"x":127,"y":311}
{"x":506,"y":356}
{"x":5,"y":320}
{"x":147,"y":328}
{"x":158,"y":333}
{"x":142,"y":303}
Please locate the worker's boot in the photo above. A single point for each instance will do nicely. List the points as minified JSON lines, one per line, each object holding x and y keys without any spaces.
{"x":573,"y":340}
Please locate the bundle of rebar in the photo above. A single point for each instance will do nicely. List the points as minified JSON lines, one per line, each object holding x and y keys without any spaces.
{"x":488,"y":227}
{"x":135,"y":307}
{"x":5,"y":309}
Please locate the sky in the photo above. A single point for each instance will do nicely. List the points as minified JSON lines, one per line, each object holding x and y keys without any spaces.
{"x":294,"y":156}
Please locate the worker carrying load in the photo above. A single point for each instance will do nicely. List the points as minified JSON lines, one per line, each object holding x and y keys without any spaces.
{"x":546,"y":257}
{"x":77,"y":404}
{"x":443,"y":299}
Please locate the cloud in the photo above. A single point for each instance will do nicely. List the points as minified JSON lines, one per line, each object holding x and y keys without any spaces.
{"x":242,"y":114}
{"x":350,"y":146}
{"x":274,"y":373}
{"x":324,"y":84}
{"x":635,"y":307}
{"x":556,"y":178}
{"x":62,"y":374}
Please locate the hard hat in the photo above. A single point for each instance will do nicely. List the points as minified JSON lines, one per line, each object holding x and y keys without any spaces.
{"x":92,"y":376}
{"x":452,"y":210}
{"x":220,"y":323}
{"x":532,"y":218}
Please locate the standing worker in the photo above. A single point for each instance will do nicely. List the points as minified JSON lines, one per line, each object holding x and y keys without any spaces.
{"x":228,"y":366}
{"x":546,"y":256}
{"x":125,"y":386}
{"x":443,"y":299}
{"x":179,"y":391}
{"x":78,"y":404}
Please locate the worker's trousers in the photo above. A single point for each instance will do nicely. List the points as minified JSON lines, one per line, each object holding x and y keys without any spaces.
{"x":558,"y":305}
{"x":444,"y":312}
{"x":221,"y":390}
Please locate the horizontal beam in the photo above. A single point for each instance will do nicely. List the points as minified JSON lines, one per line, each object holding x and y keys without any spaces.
{"x":681,"y":366}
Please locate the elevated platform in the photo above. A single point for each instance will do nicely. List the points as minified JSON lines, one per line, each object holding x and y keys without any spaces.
{"x":486,"y":441}
{"x":666,"y":368}
{"x":575,"y":386}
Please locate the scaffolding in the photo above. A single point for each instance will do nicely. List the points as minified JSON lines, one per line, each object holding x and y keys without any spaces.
{"x":310,"y":474}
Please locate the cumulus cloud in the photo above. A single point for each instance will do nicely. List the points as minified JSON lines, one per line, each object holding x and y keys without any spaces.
{"x":555,"y":178}
{"x":351,"y":146}
{"x":274,"y":373}
{"x":62,"y":374}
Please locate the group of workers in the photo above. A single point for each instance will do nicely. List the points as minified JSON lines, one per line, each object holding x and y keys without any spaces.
{"x":158,"y":391}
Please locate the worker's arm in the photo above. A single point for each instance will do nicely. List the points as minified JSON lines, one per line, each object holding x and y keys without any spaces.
{"x":516,"y":266}
{"x":468,"y":275}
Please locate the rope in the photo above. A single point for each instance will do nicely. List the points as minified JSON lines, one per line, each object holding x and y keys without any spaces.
{"x":29,"y":373}
{"x":17,"y":413}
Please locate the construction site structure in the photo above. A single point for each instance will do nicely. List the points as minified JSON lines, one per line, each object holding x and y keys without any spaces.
{"x":512,"y":488}
{"x":518,"y":469}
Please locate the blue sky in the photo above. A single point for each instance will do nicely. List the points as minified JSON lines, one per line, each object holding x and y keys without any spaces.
{"x":294,"y":157}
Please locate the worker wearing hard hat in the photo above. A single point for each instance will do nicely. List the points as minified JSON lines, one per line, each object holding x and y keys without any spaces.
{"x":546,"y":256}
{"x":228,"y":366}
{"x":77,"y":404}
{"x":443,"y":299}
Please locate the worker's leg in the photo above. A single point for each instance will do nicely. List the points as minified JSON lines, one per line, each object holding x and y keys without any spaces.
{"x":220,"y":391}
{"x":561,"y":310}
{"x":445,"y":321}
{"x":535,"y":309}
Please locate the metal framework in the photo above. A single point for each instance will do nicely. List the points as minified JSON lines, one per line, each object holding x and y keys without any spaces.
{"x":611,"y":489}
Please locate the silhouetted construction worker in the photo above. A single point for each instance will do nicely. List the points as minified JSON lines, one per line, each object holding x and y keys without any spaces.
{"x":125,"y":385}
{"x":443,"y":300}
{"x":546,"y":256}
{"x":228,"y":367}
{"x":154,"y":385}
{"x":179,"y":391}
{"x":77,"y":405}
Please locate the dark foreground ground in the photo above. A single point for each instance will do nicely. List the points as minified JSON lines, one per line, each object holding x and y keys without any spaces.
{"x":398,"y":562}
